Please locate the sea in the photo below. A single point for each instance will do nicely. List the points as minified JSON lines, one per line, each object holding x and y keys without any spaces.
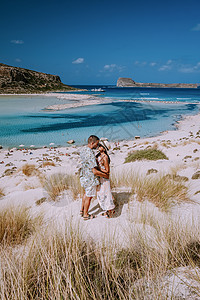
{"x":24,"y":122}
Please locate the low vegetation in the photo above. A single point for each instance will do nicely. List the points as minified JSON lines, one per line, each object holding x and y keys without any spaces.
{"x":1,"y":192}
{"x":29,"y":170}
{"x":146,"y":154}
{"x":58,"y":183}
{"x":48,"y":163}
{"x":50,"y":263}
{"x":161,"y":190}
{"x":63,"y":265}
{"x":16,"y":225}
{"x":40,"y":201}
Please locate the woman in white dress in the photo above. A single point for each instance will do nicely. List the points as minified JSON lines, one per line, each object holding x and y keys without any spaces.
{"x":104,"y":195}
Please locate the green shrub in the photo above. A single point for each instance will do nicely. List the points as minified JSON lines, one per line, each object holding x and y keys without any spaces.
{"x":148,"y":154}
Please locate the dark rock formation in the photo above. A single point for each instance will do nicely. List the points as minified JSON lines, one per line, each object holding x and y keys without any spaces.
{"x":128,"y":82}
{"x":19,"y":80}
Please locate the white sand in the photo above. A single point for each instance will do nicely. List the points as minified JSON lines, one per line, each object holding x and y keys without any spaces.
{"x":76,"y":100}
{"x":183,"y":152}
{"x":73,"y":100}
{"x":81,"y":100}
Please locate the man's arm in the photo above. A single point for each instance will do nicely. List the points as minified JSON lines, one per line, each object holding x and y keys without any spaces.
{"x":100,"y":173}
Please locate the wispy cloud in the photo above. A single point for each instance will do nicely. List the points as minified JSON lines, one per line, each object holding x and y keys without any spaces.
{"x":144,"y":63}
{"x":196,"y":28}
{"x":140,"y":63}
{"x":190,"y":68}
{"x":166,"y":67}
{"x":79,"y":60}
{"x":17,"y":42}
{"x":112,"y":68}
{"x":153,"y":64}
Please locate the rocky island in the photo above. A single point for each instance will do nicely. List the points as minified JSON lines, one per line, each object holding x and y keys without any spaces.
{"x":128,"y":82}
{"x":14,"y":80}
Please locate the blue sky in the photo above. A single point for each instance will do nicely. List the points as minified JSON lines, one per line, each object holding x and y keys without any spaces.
{"x":96,"y":42}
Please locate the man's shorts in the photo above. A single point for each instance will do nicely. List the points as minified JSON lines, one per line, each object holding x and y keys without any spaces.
{"x":91,"y":191}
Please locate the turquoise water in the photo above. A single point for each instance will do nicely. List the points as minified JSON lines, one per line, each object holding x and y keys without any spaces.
{"x":150,"y":94}
{"x":23,"y":120}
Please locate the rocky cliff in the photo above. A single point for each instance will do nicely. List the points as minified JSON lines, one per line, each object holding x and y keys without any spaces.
{"x":19,"y":80}
{"x":128,"y":82}
{"x":125,"y":82}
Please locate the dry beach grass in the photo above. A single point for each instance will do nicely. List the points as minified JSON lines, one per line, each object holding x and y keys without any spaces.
{"x":59,"y":182}
{"x":16,"y":225}
{"x":55,"y":264}
{"x":29,"y":170}
{"x":158,"y":189}
{"x":1,"y":192}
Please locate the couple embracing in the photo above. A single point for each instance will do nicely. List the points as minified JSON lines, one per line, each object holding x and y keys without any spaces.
{"x":94,"y":178}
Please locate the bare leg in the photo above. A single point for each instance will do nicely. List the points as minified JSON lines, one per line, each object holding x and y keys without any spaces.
{"x":86,"y":205}
{"x":83,"y":203}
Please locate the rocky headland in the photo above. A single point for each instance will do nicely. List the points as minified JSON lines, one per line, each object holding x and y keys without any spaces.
{"x":128,"y":82}
{"x":14,"y":80}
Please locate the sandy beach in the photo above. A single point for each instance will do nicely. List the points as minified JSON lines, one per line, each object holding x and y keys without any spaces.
{"x":76,"y":100}
{"x":82,"y":100}
{"x":181,"y":147}
{"x":73,"y":100}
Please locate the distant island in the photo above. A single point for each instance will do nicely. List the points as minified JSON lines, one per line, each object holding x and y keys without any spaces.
{"x":128,"y":82}
{"x":14,"y":80}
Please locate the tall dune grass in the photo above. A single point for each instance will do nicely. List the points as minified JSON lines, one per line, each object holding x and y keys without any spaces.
{"x":59,"y":182}
{"x":16,"y":225}
{"x":29,"y":170}
{"x":159,"y":189}
{"x":32,"y":170}
{"x":1,"y":192}
{"x":62,"y":265}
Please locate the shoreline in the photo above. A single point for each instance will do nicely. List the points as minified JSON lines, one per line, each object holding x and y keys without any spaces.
{"x":185,"y":120}
{"x":83,"y":100}
{"x":80,"y":99}
{"x":98,"y":101}
{"x":44,"y":94}
{"x":87,"y":100}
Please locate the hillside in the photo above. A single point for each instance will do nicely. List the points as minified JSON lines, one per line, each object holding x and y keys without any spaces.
{"x":14,"y":80}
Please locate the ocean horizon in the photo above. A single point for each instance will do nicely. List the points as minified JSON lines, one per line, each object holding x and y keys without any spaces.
{"x":23,"y":120}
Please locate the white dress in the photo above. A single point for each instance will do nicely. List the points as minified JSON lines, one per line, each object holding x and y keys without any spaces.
{"x":104,"y":195}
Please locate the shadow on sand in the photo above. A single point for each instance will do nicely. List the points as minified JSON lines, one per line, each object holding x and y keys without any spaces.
{"x":120,"y":198}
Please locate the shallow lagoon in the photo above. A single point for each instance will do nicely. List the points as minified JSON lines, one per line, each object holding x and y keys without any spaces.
{"x":23,"y":120}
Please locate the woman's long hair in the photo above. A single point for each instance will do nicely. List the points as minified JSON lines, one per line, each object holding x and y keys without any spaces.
{"x":101,"y":144}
